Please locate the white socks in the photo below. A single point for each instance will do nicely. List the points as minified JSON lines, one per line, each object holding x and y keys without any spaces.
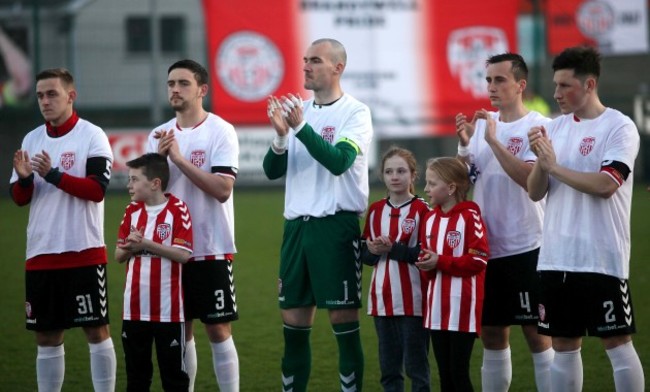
{"x":628,"y":373}
{"x":542,"y":362}
{"x":103,"y":365}
{"x":226,"y":365}
{"x":566,"y":371}
{"x":496,"y":372}
{"x":50,"y":368}
{"x":191,"y":362}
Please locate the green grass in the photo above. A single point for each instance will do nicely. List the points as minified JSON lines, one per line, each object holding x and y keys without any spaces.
{"x":258,"y":333}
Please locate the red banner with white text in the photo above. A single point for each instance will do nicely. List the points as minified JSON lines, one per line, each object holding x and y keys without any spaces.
{"x":615,"y":27}
{"x":416,"y":63}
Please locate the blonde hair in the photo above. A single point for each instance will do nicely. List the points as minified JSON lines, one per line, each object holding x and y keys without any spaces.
{"x":405,"y":154}
{"x":452,"y":171}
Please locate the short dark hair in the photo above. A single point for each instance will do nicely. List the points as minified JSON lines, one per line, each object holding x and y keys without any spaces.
{"x":57,"y":73}
{"x":519,"y":67}
{"x":153,"y":166}
{"x":200,"y":73}
{"x":583,"y":60}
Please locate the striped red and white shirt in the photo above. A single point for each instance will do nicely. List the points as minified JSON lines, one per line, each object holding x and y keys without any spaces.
{"x":455,"y":291}
{"x":397,"y":288}
{"x":153,"y":290}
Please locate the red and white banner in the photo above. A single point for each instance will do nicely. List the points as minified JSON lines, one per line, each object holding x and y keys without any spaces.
{"x":615,"y":27}
{"x":416,"y":63}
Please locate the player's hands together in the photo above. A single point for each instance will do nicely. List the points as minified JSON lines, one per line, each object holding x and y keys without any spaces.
{"x":464,"y":129}
{"x":168,"y":145}
{"x":21,"y":164}
{"x":491,"y":125}
{"x":292,"y":106}
{"x":379,"y":245}
{"x":542,"y":146}
{"x":276,"y":115}
{"x":41,"y":163}
{"x":134,"y":242}
{"x":427,"y":261}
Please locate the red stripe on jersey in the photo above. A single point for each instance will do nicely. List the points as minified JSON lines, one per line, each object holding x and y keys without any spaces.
{"x":615,"y":174}
{"x":84,"y":258}
{"x":85,"y":188}
{"x":176,"y":294}
{"x":134,"y":304}
{"x":154,"y":283}
{"x":376,"y":231}
{"x":22,"y":195}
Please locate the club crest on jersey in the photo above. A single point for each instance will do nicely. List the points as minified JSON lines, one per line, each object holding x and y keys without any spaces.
{"x":327,"y":133}
{"x":67,"y":160}
{"x":453,"y":238}
{"x":467,"y":49}
{"x":587,"y":144}
{"x":197,"y":158}
{"x":408,"y":225}
{"x":163,"y":230}
{"x":515,"y":144}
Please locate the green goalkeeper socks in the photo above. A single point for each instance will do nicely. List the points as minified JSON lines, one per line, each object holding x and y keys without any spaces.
{"x":350,"y":355}
{"x":296,"y":363}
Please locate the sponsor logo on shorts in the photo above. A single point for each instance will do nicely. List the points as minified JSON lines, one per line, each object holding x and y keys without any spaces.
{"x":219,"y":315}
{"x":338,"y":302}
{"x":67,"y":160}
{"x":85,"y":319}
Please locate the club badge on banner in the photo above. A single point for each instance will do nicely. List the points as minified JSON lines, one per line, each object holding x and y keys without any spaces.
{"x":615,"y":27}
{"x":416,"y":63}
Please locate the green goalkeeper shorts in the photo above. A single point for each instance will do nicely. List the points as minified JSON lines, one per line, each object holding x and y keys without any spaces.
{"x":319,"y":262}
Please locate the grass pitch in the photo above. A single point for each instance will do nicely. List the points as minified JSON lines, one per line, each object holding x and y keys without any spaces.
{"x":258,"y":333}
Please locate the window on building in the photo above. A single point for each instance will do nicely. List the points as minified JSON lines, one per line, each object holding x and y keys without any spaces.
{"x":138,"y":34}
{"x":172,"y":34}
{"x":171,"y":29}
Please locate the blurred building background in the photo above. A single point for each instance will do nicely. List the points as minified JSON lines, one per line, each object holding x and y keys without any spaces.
{"x":119,"y":52}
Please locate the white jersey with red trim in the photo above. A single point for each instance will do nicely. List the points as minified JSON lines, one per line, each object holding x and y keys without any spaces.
{"x":58,"y":221}
{"x":396,"y":288}
{"x":153,"y":290}
{"x":585,"y":233}
{"x":313,"y":190}
{"x":514,"y":226}
{"x":455,"y":290}
{"x":212,"y":143}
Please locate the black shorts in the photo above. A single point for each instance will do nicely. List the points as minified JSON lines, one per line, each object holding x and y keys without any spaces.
{"x":575,"y":304}
{"x":209,"y":289}
{"x":138,"y":338}
{"x":511,"y":290}
{"x":66,"y":298}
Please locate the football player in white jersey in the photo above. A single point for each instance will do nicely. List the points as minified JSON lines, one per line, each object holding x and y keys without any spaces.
{"x":584,"y":167}
{"x":62,"y":170}
{"x":203,"y":153}
{"x":494,"y":145}
{"x":321,"y":146}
